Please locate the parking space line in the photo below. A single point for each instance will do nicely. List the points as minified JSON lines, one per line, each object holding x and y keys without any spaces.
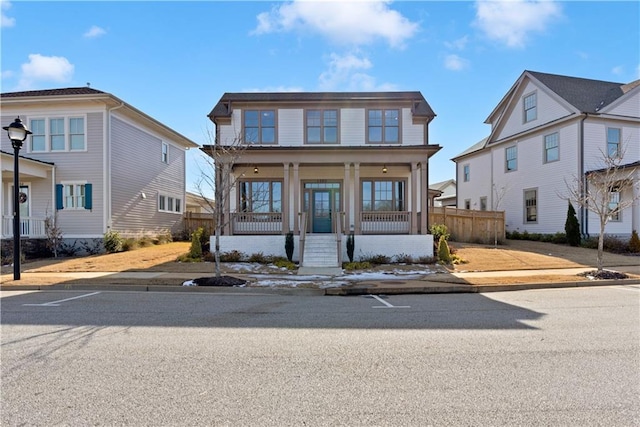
{"x":57,"y":303}
{"x":386,"y":304}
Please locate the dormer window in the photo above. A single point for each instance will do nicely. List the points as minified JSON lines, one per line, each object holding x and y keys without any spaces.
{"x":530,"y":104}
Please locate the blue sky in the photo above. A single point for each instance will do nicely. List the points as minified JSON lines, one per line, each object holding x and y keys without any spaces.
{"x":173,"y":60}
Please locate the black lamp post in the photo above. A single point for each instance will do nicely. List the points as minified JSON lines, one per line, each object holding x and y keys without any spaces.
{"x":17,"y":134}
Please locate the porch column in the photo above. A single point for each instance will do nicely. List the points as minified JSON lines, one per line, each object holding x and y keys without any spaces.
{"x":227,"y":200}
{"x":346,"y":196}
{"x":635,"y":207}
{"x":356,"y":197}
{"x":414,"y":198}
{"x":296,"y":199}
{"x":424,"y":200}
{"x":286,"y":208}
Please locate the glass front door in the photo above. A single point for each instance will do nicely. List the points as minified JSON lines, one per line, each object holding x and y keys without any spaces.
{"x":321,"y":211}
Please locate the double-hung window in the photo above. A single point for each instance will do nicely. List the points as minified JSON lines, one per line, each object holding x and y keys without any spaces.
{"x":613,"y":142}
{"x":511,"y":158}
{"x":38,"y":138}
{"x":531,"y":206}
{"x":530,"y":104}
{"x":383,"y":195}
{"x":165,"y":153}
{"x":551,"y":148}
{"x":260,"y":126}
{"x":614,"y":204}
{"x":76,"y":133}
{"x":466,"y":172}
{"x":74,"y":195}
{"x":322,"y":126}
{"x":261,"y":196}
{"x":383,"y":126}
{"x":58,"y":134}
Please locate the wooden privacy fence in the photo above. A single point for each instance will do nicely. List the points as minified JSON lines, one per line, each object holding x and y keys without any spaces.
{"x":466,"y":225}
{"x":192,"y":221}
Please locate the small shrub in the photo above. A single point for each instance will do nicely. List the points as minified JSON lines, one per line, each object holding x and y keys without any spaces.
{"x":444,"y":255}
{"x":615,"y":245}
{"x":361,"y":265}
{"x":289,"y":246}
{"x":129,"y":244}
{"x":590,"y":243}
{"x":187,"y":258}
{"x":559,"y":238}
{"x":195,"y":251}
{"x":426,"y":260}
{"x":208,"y":257}
{"x":112,"y":242}
{"x":634,"y":243}
{"x":572,"y":227}
{"x":439,"y":230}
{"x":145,"y":241}
{"x":260,"y":258}
{"x":376,"y":259}
{"x":231,"y":256}
{"x":284,"y":263}
{"x":69,"y":249}
{"x":92,"y":247}
{"x":403,"y":259}
{"x":164,"y":238}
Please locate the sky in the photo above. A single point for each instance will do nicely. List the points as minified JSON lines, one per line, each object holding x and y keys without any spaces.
{"x":174,"y":60}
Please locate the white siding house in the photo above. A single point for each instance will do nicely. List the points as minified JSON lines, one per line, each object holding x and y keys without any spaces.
{"x":323,"y":165}
{"x":547,"y":131}
{"x":96,"y":161}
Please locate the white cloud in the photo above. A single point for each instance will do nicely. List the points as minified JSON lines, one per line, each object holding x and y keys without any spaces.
{"x":511,"y":22}
{"x":94,"y":31}
{"x":45,"y":69}
{"x":5,"y":21}
{"x":618,"y":70}
{"x":458,"y":44}
{"x":346,"y":72}
{"x":351,"y":23}
{"x":7,"y":74}
{"x":455,"y":63}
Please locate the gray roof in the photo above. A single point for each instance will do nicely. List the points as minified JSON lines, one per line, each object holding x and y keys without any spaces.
{"x":475,"y":147}
{"x":588,"y":96}
{"x":28,"y":158}
{"x":54,"y":92}
{"x":421,"y":107}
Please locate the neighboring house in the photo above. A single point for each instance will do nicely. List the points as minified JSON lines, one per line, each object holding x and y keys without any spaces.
{"x":322,"y":165}
{"x":197,"y":204}
{"x":547,"y":131}
{"x":447,"y":193}
{"x":96,"y":161}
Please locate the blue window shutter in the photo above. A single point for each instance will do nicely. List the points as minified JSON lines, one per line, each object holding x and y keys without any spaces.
{"x":88,"y":192}
{"x":59,"y":204}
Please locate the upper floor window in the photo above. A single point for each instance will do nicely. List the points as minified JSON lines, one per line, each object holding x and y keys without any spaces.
{"x":466,"y":173}
{"x":165,"y":153}
{"x":169,"y":203}
{"x":58,"y":134}
{"x":260,"y":126}
{"x":530,"y":107}
{"x":383,"y":195}
{"x":322,"y":126}
{"x":551,"y":148}
{"x":614,"y":204}
{"x":531,"y":205}
{"x":511,"y":155}
{"x":261,"y":196}
{"x":613,"y":142}
{"x":383,"y":126}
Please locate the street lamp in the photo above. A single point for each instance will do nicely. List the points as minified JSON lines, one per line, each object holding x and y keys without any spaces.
{"x":17,"y":134}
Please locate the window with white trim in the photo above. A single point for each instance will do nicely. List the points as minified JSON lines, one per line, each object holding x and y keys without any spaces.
{"x":74,"y":195}
{"x":551,"y":148}
{"x":58,"y":134}
{"x":530,"y":105}
{"x":613,"y":142}
{"x":511,"y":158}
{"x":466,"y":173}
{"x":169,"y":204}
{"x":165,"y":153}
{"x":531,"y":206}
{"x":614,"y":204}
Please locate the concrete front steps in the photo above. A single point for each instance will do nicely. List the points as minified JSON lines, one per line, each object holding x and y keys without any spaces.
{"x":320,"y":255}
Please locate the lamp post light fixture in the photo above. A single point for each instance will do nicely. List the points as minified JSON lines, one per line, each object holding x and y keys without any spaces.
{"x":17,"y":132}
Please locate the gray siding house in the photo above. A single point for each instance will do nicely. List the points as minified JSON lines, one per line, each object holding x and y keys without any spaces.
{"x":97,"y":162}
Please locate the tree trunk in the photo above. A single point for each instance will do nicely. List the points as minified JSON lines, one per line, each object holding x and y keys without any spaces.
{"x":601,"y":245}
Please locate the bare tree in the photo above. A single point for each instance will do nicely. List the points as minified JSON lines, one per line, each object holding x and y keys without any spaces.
{"x":600,"y":192}
{"x":218,"y":176}
{"x":497,"y":200}
{"x":53,"y":232}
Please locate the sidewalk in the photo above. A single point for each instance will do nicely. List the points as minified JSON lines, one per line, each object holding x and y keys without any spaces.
{"x":456,"y":282}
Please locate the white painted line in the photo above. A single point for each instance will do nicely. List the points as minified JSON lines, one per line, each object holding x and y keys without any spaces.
{"x":386,"y":304}
{"x":57,"y":303}
{"x":628,"y":288}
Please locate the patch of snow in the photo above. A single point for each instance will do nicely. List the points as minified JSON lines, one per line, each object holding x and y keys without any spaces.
{"x":189,"y":283}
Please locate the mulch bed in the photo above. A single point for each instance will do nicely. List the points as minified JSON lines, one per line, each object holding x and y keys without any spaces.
{"x":219,"y":281}
{"x":604,"y":275}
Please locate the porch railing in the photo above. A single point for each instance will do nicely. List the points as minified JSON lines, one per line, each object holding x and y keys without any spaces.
{"x":29,"y":227}
{"x":396,"y":222}
{"x":256,"y":223}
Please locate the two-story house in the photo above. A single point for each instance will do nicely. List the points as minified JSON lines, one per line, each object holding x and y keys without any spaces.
{"x":547,"y":133}
{"x":95,"y":162}
{"x":322,"y":165}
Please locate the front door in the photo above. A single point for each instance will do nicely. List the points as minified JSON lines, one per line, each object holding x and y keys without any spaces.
{"x":321,"y":211}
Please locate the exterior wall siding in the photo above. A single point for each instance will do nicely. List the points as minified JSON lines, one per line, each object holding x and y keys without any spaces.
{"x":411,"y":134}
{"x":352,"y":127}
{"x":137,"y":169}
{"x":629,"y":108}
{"x":548,"y":109}
{"x":479,"y":184}
{"x":291,"y":127}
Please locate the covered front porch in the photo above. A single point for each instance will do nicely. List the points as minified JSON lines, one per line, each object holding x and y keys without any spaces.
{"x":36,"y":195}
